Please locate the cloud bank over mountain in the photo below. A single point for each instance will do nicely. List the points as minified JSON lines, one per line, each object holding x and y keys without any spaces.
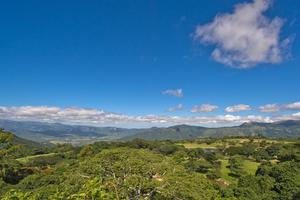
{"x":100,"y":117}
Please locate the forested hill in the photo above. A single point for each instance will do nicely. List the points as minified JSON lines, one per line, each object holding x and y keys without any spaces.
{"x":283,"y":129}
{"x":248,"y":168}
{"x":179,"y":132}
{"x":12,"y":146}
{"x":9,"y":139}
{"x":48,"y":132}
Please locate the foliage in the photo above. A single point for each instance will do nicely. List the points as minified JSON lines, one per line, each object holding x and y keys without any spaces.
{"x":227,"y":168}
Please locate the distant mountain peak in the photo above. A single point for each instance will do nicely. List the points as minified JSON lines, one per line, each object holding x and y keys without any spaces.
{"x":288,"y":123}
{"x":281,"y":123}
{"x":247,"y":124}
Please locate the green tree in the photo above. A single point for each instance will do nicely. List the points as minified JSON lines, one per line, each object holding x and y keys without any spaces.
{"x":236,"y":166}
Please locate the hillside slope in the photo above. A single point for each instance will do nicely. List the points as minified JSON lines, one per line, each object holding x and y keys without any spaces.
{"x":10,"y":139}
{"x":284,"y":129}
{"x":56,"y":133}
{"x":179,"y":132}
{"x":47,"y":132}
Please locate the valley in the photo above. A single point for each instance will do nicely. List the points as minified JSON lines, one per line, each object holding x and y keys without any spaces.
{"x":232,"y":167}
{"x":56,"y":133}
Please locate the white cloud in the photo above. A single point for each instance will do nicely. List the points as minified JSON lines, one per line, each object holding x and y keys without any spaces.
{"x":55,"y":114}
{"x":294,"y":116}
{"x":292,"y":106}
{"x":281,"y":107}
{"x":98,"y":117}
{"x":238,"y":108}
{"x":204,"y":108}
{"x":102,"y":118}
{"x":175,"y":108}
{"x":268,"y":108}
{"x":245,"y":37}
{"x":175,"y":93}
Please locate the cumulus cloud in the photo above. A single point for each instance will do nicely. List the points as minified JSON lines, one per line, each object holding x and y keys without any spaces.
{"x":245,"y":37}
{"x":296,"y":114}
{"x":237,"y":108}
{"x":102,"y":118}
{"x":268,"y":108}
{"x":292,"y":106}
{"x":175,"y":108}
{"x":98,"y":117}
{"x":204,"y":108}
{"x":175,"y":92}
{"x":293,"y":116}
{"x":280,"y":107}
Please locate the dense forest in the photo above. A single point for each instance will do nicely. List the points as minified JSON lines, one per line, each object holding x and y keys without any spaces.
{"x":230,"y":168}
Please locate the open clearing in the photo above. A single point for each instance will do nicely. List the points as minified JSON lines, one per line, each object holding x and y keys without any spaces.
{"x":196,"y":145}
{"x":29,"y":158}
{"x":228,"y":142}
{"x":248,"y":165}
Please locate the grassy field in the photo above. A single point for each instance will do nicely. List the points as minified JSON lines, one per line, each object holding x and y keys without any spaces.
{"x":269,"y":141}
{"x":27,"y":159}
{"x":208,"y":146}
{"x":249,"y":166}
{"x":227,"y":142}
{"x":196,"y":145}
{"x":225,"y":171}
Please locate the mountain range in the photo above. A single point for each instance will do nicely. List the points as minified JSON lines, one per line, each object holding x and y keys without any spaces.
{"x":56,"y":132}
{"x":282,"y":129}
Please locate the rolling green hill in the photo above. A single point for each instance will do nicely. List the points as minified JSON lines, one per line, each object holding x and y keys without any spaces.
{"x":179,"y":132}
{"x":9,"y":139}
{"x":283,"y":129}
{"x":79,"y":135}
{"x":57,"y":133}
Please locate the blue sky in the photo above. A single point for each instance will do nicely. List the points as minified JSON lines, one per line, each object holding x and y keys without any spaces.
{"x":118,"y":57}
